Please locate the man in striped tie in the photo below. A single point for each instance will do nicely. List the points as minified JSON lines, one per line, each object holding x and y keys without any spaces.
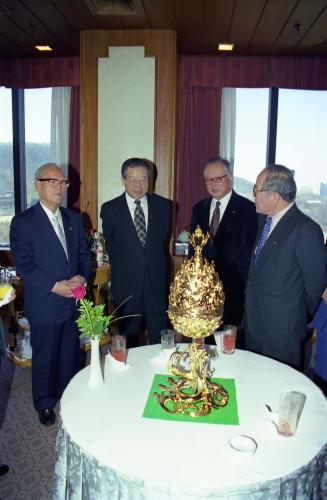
{"x":136,"y":228}
{"x":288,"y":272}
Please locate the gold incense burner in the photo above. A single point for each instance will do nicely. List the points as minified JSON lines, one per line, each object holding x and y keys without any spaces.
{"x":195,"y":309}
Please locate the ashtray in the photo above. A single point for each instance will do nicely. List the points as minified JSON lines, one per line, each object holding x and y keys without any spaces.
{"x":243,"y":444}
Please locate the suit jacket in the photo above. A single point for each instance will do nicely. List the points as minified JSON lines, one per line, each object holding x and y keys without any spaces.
{"x":230,"y":249}
{"x":130,"y":262}
{"x":41,"y":261}
{"x":286,"y":284}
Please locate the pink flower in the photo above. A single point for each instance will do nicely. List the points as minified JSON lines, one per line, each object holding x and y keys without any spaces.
{"x":79,"y":291}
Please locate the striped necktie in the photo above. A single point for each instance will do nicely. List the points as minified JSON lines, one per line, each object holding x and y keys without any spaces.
{"x":59,"y":232}
{"x":139,"y":221}
{"x":263,"y":237}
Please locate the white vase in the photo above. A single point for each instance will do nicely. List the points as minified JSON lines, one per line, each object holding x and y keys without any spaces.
{"x":95,"y":376}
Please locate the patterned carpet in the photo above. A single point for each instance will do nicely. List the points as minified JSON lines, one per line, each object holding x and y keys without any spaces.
{"x":25,"y":445}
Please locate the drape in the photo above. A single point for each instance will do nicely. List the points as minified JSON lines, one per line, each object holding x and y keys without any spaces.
{"x":228,"y":125}
{"x":201,"y":80}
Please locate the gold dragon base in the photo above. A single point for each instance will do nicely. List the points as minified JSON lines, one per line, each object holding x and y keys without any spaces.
{"x":191,"y":393}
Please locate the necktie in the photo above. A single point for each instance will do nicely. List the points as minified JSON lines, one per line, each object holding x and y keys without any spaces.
{"x":60,"y":233}
{"x":139,"y":221}
{"x":263,"y":237}
{"x":215,"y":219}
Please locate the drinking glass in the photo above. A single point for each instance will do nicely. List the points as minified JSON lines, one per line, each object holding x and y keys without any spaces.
{"x":118,"y":348}
{"x":167,"y":339}
{"x":229,"y":338}
{"x":5,"y":284}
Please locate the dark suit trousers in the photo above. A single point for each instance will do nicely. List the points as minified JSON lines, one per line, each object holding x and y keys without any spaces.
{"x":152,"y":315}
{"x":55,"y":360}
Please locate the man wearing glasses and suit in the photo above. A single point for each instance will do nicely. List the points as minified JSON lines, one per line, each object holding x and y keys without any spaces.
{"x":51,"y":254}
{"x":231,"y":221}
{"x":288,"y":271}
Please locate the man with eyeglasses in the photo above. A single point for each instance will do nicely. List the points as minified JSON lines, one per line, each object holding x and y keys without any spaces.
{"x":136,"y":228}
{"x":231,"y":221}
{"x":288,"y":271}
{"x":51,"y":254}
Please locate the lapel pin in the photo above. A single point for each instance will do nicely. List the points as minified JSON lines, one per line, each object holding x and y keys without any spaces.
{"x":70,"y":228}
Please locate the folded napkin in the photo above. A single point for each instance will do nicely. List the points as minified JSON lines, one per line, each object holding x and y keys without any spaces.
{"x":119,"y":365}
{"x":163,"y":356}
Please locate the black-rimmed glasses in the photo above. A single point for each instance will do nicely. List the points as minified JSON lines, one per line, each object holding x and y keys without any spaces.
{"x":215,"y":180}
{"x":64,"y":183}
{"x":256,"y":190}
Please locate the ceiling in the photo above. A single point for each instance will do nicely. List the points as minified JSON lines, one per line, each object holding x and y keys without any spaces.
{"x":257,"y":27}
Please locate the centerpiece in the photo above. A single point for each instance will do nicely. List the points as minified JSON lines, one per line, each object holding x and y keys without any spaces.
{"x":195,"y":309}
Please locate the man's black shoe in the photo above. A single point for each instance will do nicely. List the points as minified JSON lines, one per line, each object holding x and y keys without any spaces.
{"x":47,"y":417}
{"x":3,"y":469}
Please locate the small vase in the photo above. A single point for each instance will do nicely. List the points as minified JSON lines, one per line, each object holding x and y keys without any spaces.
{"x":95,"y":376}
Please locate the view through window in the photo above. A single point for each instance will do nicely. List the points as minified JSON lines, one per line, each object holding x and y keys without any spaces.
{"x":301,"y":140}
{"x":7,"y":201}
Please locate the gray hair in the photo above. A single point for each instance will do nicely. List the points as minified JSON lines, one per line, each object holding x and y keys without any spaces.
{"x":39,"y":171}
{"x":136,"y":162}
{"x":280,"y":179}
{"x":219,"y":159}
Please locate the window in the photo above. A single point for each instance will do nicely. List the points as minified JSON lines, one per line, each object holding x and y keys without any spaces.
{"x":301,"y":146}
{"x":37,"y":135}
{"x":250,"y":137}
{"x":7,"y":201}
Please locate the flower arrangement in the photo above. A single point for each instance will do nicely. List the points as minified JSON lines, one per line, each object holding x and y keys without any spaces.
{"x":92,"y":322}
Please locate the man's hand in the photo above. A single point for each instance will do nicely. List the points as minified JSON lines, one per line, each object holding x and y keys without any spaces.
{"x":63,"y":288}
{"x":76,"y":280}
{"x":324,"y":296}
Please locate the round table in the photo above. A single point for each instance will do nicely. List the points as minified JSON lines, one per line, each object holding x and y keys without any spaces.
{"x":106,"y":449}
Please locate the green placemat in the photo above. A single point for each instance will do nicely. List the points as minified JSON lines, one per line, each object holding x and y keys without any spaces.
{"x":227,"y":415}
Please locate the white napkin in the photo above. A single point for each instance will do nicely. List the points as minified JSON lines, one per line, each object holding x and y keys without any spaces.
{"x":7,"y":297}
{"x":163,"y":357}
{"x":119,"y":365}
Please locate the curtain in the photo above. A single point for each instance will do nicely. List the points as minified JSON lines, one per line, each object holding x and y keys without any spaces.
{"x":199,"y":113}
{"x":228,"y":125}
{"x":74,"y":150}
{"x":60,"y":114}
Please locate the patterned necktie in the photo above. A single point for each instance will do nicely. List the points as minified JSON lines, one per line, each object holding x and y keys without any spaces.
{"x":139,"y":221}
{"x":263,"y":237}
{"x":215,"y":219}
{"x":60,"y":233}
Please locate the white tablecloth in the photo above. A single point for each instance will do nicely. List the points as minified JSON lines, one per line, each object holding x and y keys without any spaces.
{"x":107,"y":450}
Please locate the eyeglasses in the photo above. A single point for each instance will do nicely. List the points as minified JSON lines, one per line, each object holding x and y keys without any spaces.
{"x":215,"y":180}
{"x":256,"y":190}
{"x":64,"y":183}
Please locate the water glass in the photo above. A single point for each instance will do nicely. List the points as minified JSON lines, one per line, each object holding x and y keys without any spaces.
{"x":167,"y":339}
{"x":118,"y":348}
{"x":229,"y":339}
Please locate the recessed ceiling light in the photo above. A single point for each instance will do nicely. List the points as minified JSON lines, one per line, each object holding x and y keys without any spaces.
{"x":43,"y":48}
{"x":226,"y":46}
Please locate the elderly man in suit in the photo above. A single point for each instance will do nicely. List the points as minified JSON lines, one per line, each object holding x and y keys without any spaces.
{"x":51,"y":254}
{"x":288,"y":272}
{"x":136,"y":228}
{"x":231,"y":220}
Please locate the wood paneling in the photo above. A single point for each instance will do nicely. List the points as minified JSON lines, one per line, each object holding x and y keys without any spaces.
{"x":160,"y":44}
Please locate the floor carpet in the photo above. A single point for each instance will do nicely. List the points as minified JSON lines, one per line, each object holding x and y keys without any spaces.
{"x":25,"y":445}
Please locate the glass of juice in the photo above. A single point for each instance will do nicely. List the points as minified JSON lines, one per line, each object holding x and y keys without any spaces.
{"x":118,"y":348}
{"x":229,"y":338}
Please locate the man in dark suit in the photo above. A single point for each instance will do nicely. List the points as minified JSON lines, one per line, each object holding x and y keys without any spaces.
{"x":51,"y":254}
{"x":136,"y":231}
{"x":232,"y":226}
{"x":288,"y":272}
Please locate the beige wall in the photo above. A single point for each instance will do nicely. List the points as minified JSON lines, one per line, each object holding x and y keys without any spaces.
{"x":158,"y":46}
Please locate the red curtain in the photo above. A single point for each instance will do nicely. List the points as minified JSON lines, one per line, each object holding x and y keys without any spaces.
{"x":198,"y":139}
{"x":39,"y":72}
{"x":201,"y":80}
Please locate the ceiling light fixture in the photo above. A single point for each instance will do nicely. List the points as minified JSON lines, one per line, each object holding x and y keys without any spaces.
{"x":43,"y":48}
{"x":226,"y":46}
